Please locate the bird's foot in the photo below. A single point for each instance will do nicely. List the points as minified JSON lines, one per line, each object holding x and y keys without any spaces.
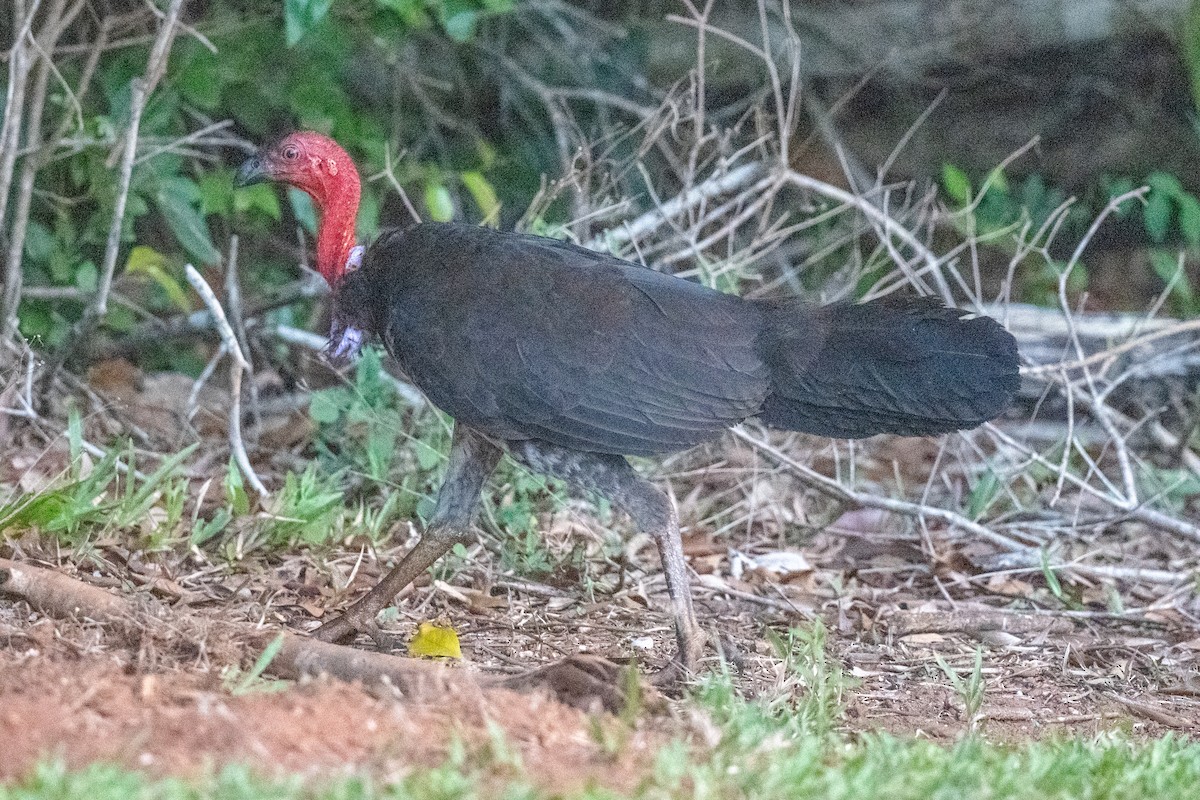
{"x":343,"y":629}
{"x":683,"y":666}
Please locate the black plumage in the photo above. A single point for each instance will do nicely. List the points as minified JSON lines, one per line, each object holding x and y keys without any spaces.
{"x":523,"y":337}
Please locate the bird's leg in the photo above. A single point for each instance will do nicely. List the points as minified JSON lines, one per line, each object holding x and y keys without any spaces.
{"x":652,"y":512}
{"x":472,"y":459}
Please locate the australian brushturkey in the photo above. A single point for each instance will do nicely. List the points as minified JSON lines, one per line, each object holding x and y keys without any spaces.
{"x":569,"y":360}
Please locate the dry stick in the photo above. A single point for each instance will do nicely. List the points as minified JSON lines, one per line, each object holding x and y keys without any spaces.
{"x":1142,"y":513}
{"x":887,"y":225}
{"x":14,"y":103}
{"x":833,"y":488}
{"x":233,"y":301}
{"x":1111,"y":354}
{"x":58,"y":19}
{"x":58,"y":595}
{"x":142,"y":87}
{"x":10,"y":134}
{"x":733,"y":180}
{"x":199,"y":321}
{"x":1118,"y":442}
{"x":237,"y":366}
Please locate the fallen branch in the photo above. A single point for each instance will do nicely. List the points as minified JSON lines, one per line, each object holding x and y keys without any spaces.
{"x":732,"y":181}
{"x":579,"y":681}
{"x":58,"y":595}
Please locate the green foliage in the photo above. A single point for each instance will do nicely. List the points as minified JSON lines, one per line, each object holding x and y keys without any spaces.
{"x":275,"y":66}
{"x":103,"y":496}
{"x":359,"y":426}
{"x":523,"y":549}
{"x":999,"y":211}
{"x":970,"y":691}
{"x":309,"y":510}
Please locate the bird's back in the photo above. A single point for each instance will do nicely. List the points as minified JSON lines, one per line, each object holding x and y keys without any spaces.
{"x":524,"y":337}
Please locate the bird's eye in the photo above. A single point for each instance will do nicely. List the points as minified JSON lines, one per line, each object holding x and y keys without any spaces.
{"x":291,"y":153}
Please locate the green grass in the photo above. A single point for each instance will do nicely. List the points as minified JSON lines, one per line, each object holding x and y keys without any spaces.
{"x":783,"y":744}
{"x":778,"y":766}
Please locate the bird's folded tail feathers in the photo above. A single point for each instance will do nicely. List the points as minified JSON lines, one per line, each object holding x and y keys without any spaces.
{"x":904,"y":366}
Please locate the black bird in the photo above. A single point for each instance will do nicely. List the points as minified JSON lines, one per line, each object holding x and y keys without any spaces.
{"x":569,"y":360}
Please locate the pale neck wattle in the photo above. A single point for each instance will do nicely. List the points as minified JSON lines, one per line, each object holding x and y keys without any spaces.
{"x":335,"y":237}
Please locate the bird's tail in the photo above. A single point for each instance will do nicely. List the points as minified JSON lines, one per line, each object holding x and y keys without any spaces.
{"x":906,"y":366}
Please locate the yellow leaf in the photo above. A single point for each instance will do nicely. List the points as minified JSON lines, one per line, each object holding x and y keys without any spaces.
{"x":434,"y":641}
{"x":153,"y":264}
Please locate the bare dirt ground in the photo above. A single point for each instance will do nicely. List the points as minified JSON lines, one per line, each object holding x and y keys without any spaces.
{"x":76,"y":692}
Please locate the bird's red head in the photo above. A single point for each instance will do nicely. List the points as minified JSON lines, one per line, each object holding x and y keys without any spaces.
{"x":317,"y":165}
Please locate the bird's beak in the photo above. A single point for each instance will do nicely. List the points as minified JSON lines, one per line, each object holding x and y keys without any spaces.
{"x":252,"y":172}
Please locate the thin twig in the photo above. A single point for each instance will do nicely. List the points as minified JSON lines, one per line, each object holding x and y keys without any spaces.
{"x":734,"y":180}
{"x":142,"y":88}
{"x":834,"y":488}
{"x":10,"y":135}
{"x":237,"y":366}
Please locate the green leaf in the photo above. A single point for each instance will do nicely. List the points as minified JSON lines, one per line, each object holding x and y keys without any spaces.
{"x":1158,"y":215}
{"x":199,"y":80}
{"x":1164,"y":182}
{"x":235,"y":490}
{"x":1118,"y":187}
{"x":149,"y":262}
{"x":326,"y":407}
{"x":39,"y":242}
{"x":1052,"y":578}
{"x":177,"y":199}
{"x":87,"y":276}
{"x":1189,"y":218}
{"x":75,"y":441}
{"x":204,"y":530}
{"x":427,"y":457}
{"x":997,"y":181}
{"x":958,"y":185}
{"x":216,"y":192}
{"x":259,"y":197}
{"x":438,"y":201}
{"x":983,"y":494}
{"x":301,"y":16}
{"x":484,"y":195}
{"x":1169,"y":267}
{"x":302,"y":208}
{"x":411,"y":12}
{"x":461,"y":25}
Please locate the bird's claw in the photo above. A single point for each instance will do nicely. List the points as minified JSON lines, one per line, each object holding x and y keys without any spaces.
{"x":343,"y":630}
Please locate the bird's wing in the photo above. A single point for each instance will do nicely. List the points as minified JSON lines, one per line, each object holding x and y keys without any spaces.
{"x":530,"y":338}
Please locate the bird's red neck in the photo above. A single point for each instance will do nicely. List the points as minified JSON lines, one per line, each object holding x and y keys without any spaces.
{"x":338,"y":208}
{"x":320,"y":167}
